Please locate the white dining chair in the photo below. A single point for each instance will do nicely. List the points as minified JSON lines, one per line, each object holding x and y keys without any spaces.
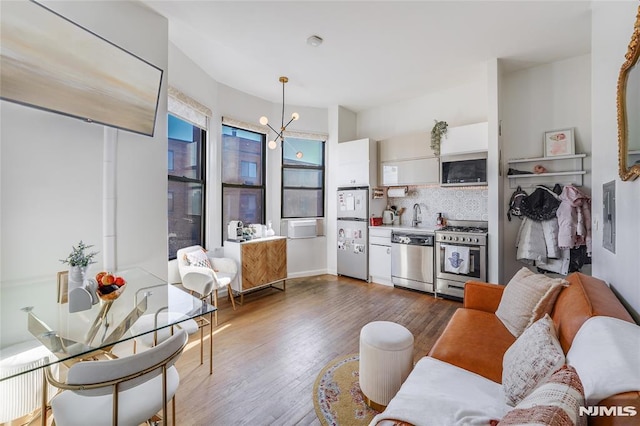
{"x":125,"y":391}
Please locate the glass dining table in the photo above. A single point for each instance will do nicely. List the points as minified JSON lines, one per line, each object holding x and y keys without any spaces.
{"x":30,"y":316}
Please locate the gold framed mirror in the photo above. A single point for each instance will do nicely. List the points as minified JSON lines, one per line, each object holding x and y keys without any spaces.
{"x":628,"y":102}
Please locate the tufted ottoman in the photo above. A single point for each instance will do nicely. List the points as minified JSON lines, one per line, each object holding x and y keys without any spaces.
{"x":386,"y":359}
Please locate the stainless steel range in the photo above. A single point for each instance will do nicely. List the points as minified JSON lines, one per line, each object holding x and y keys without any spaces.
{"x":460,"y":256}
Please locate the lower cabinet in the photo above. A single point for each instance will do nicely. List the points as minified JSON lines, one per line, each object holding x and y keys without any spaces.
{"x":261,"y":262}
{"x":380,"y":256}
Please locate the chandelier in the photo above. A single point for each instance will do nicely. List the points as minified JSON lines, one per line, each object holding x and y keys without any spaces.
{"x":279,"y":134}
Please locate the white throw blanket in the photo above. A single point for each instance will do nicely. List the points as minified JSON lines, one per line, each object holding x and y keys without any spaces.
{"x":606,"y":354}
{"x":437,"y":393}
{"x":456,"y":259}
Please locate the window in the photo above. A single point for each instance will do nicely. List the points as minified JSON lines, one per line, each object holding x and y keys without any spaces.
{"x":243,"y":189}
{"x":302,"y":178}
{"x":186,"y":171}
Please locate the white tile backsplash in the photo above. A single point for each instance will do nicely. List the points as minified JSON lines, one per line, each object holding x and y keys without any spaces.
{"x":464,"y":203}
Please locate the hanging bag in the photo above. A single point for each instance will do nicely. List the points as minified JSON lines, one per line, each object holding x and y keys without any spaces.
{"x":515,"y":202}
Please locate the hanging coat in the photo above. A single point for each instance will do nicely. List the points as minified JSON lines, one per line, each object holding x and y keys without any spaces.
{"x":574,"y":219}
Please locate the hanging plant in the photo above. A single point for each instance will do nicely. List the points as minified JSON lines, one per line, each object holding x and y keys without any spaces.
{"x":439,"y":130}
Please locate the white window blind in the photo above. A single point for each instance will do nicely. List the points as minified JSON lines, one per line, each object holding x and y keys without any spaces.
{"x":188,"y":109}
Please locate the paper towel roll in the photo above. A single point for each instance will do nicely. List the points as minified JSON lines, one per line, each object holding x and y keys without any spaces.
{"x":399,"y":191}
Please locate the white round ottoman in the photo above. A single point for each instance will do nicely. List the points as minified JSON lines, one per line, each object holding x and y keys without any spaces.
{"x":386,"y":359}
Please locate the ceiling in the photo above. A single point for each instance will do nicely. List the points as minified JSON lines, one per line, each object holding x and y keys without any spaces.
{"x":374,"y":52}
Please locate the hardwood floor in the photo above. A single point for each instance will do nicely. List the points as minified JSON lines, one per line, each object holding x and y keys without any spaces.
{"x":268,"y":353}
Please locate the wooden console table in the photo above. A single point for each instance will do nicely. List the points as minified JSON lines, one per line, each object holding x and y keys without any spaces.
{"x":263,"y":262}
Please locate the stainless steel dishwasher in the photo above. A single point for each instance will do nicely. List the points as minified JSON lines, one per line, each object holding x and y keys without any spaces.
{"x":412,"y":261}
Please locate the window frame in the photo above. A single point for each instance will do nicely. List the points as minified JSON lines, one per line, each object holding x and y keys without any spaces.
{"x":304,"y":167}
{"x":202,"y":180}
{"x":263,"y":187}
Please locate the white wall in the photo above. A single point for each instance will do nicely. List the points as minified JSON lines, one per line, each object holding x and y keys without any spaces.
{"x":612,"y":25}
{"x":51,"y":172}
{"x":460,"y":105}
{"x":547,"y":97}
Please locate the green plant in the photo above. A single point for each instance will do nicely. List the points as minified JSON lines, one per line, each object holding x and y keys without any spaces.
{"x":439,"y":130}
{"x":78,"y":257}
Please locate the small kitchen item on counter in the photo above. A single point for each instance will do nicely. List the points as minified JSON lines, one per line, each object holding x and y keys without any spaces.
{"x":234,"y":230}
{"x":269,"y":232}
{"x":375,"y":221}
{"x":441,"y":222}
{"x":388,"y":216}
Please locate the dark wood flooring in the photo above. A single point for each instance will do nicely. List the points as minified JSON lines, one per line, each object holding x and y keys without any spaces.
{"x":268,"y":353}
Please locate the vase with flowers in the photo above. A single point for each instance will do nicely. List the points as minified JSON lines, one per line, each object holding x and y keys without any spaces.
{"x":79,"y":260}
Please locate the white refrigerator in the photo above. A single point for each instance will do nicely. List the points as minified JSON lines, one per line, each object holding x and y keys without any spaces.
{"x":353,"y":232}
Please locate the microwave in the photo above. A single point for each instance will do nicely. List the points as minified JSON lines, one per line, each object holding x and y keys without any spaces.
{"x":463,"y":169}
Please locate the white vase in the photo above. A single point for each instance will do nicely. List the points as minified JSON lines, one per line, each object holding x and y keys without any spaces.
{"x":269,"y":232}
{"x":76,"y":277}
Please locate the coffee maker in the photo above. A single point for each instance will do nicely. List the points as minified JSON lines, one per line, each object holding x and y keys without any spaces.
{"x":234,"y":230}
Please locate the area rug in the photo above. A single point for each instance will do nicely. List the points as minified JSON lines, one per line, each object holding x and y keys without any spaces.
{"x":337,"y":397}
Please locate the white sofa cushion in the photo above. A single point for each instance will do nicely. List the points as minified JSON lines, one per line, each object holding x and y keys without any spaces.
{"x":440,"y":394}
{"x":605,"y":353}
{"x":526,"y":298}
{"x":532,"y":358}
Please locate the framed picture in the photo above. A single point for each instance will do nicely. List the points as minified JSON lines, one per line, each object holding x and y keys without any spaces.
{"x":63,"y":287}
{"x":85,"y":76}
{"x":558,"y":143}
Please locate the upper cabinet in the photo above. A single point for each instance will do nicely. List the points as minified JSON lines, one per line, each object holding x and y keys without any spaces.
{"x":465,"y":139}
{"x":407,"y":160}
{"x":357,"y":163}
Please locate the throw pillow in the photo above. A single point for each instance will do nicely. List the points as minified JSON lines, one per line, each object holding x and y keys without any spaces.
{"x":555,"y":402}
{"x":198,"y":258}
{"x":526,"y":298}
{"x":532,"y":358}
{"x":604,"y":352}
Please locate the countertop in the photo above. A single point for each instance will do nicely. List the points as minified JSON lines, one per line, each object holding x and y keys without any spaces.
{"x":408,"y":228}
{"x":257,"y":240}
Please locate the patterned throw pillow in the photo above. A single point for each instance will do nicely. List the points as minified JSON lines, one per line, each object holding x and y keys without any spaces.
{"x":526,"y":298}
{"x":532,"y":358}
{"x":198,"y":258}
{"x":555,"y":402}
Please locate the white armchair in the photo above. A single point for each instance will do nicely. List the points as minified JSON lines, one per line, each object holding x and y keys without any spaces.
{"x":205,"y":275}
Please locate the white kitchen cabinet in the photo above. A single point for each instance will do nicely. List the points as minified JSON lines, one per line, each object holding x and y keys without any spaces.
{"x":406,"y":147}
{"x":380,"y":256}
{"x":407,"y":160}
{"x":357,"y":163}
{"x":422,"y":171}
{"x":465,"y":139}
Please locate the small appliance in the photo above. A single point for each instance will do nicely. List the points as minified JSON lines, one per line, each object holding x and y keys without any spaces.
{"x":234,"y":230}
{"x":388,"y":216}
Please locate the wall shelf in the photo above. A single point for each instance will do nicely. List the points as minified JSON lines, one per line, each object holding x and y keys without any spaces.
{"x":565,"y":170}
{"x":557,"y":158}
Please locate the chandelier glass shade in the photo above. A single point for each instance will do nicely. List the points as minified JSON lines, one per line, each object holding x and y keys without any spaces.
{"x":273,"y":143}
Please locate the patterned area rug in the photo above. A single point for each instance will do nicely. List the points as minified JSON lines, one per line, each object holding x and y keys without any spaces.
{"x":337,"y":397}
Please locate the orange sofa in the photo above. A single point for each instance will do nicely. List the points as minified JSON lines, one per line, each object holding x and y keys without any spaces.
{"x":476,"y":340}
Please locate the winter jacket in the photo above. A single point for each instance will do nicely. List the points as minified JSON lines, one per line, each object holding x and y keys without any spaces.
{"x":537,"y":244}
{"x":574,"y":219}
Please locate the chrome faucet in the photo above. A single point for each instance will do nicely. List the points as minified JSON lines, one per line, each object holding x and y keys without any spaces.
{"x":416,"y":211}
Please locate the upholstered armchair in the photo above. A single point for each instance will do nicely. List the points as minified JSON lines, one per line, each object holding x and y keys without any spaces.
{"x":205,"y":275}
